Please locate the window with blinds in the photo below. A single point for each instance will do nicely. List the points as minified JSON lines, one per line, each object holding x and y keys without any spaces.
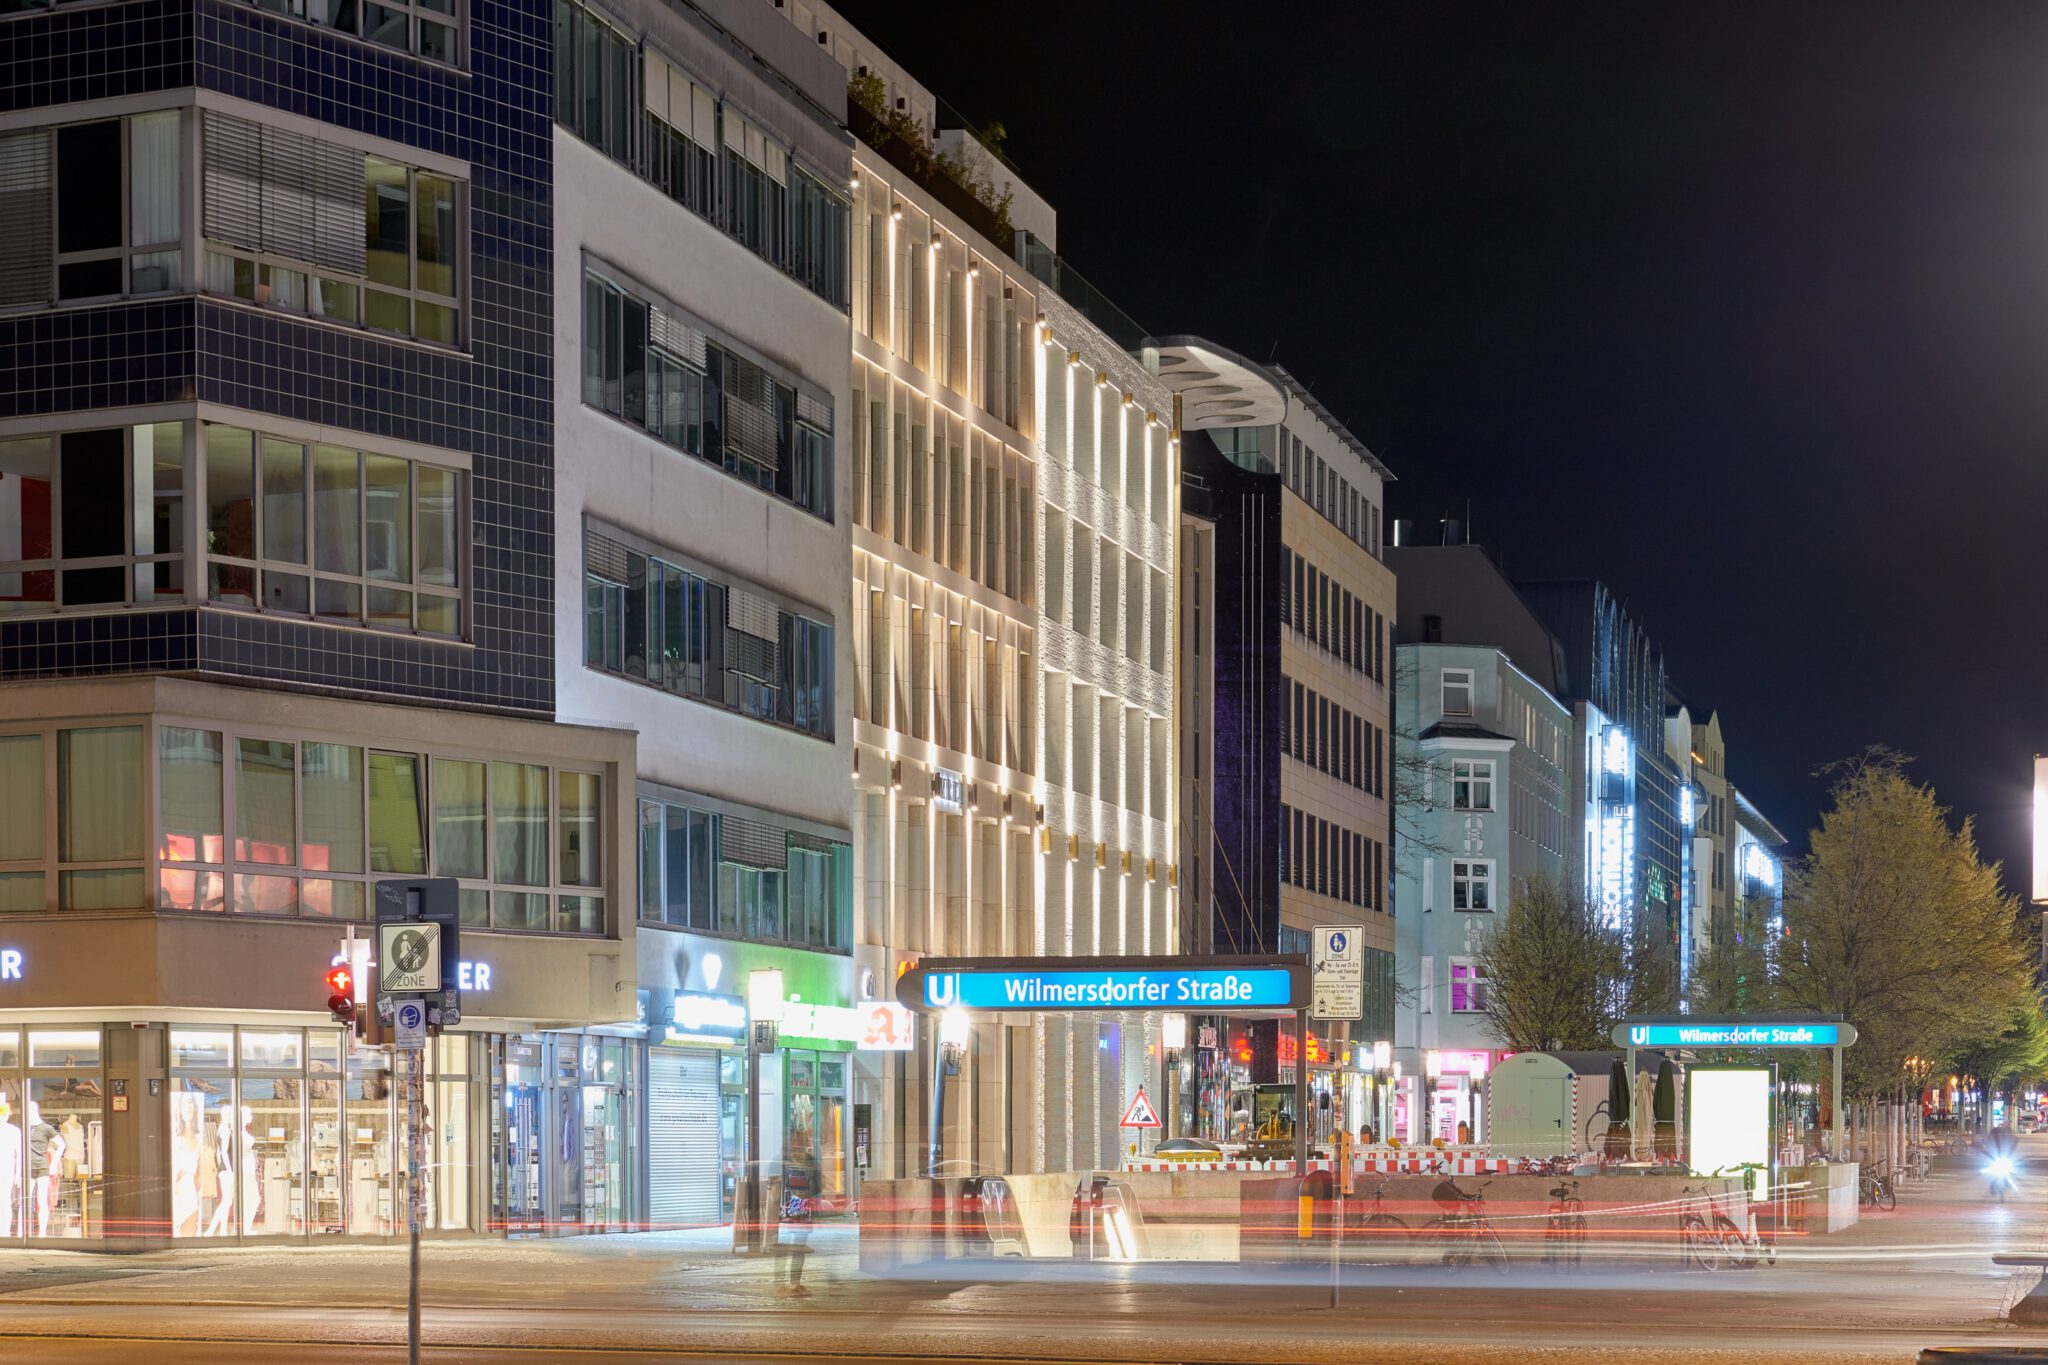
{"x":647,"y":364}
{"x":91,"y":211}
{"x":656,"y":622}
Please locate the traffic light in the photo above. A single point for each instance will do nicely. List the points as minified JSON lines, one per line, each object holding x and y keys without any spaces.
{"x":341,"y":999}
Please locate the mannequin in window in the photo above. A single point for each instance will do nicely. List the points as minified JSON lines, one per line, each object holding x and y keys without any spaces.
{"x":45,"y":1148}
{"x":10,"y":1169}
{"x":185,"y":1167}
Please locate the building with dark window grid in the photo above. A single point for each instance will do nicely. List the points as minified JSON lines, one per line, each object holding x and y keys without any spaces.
{"x":278,"y":618}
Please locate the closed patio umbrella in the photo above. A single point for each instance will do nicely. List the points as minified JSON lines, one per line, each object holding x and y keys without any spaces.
{"x":1617,"y":1110}
{"x":1664,"y":1106}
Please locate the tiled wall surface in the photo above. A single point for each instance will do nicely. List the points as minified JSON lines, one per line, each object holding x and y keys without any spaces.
{"x":494,"y":403}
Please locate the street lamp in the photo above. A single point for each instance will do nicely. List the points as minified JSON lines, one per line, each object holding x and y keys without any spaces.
{"x":1173,"y":1039}
{"x":764,"y":1016}
{"x":1432,"y":1067}
{"x":954,"y":1030}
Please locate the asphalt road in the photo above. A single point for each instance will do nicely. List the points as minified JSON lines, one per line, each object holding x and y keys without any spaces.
{"x":1922,"y":1276}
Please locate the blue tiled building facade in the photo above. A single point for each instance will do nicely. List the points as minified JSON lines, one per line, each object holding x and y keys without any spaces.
{"x":488,"y":398}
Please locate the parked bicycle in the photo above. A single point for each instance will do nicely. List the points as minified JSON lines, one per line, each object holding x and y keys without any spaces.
{"x":1565,"y":1237}
{"x":1702,"y":1240}
{"x":1744,"y":1250}
{"x":1919,"y":1162}
{"x":1464,"y":1232}
{"x":1875,"y":1190}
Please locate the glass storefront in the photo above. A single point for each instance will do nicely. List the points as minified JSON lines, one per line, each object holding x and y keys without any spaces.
{"x":814,"y":1122}
{"x":273,"y":1134}
{"x":52,"y":1133}
{"x":563,"y":1132}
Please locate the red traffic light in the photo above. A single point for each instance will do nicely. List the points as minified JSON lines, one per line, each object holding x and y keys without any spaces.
{"x":341,"y":1001}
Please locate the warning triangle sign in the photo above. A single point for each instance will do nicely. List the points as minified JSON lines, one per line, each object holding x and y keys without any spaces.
{"x":1141,"y":1114}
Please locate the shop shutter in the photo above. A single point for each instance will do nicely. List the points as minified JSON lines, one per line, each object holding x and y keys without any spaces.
{"x":26,"y":247}
{"x":683,"y":1176}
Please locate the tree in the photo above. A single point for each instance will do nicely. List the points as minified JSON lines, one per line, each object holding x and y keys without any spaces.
{"x":1558,"y":980}
{"x":1894,"y":922}
{"x":1737,"y":974}
{"x":2018,"y":1053}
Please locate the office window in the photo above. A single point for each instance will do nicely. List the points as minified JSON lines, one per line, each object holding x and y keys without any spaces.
{"x":119,"y":537}
{"x":685,"y":633}
{"x":428,"y":28}
{"x":317,"y":228}
{"x":1457,"y":691}
{"x":338,"y":535}
{"x":1472,"y":885}
{"x":1471,"y":784}
{"x":649,"y":366}
{"x":118,"y":220}
{"x":1468,"y":986}
{"x":595,"y":81}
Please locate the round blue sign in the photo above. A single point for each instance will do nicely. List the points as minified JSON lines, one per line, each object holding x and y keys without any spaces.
{"x":410,"y":1015}
{"x":1337,"y":942}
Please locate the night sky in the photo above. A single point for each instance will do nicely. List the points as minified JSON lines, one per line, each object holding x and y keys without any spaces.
{"x":1742,"y":308}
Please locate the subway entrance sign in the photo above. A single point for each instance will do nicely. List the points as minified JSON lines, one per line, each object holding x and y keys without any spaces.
{"x":1761,"y":1031}
{"x":1210,"y":985}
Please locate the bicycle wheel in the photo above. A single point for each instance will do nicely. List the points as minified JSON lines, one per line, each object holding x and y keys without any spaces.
{"x":1575,"y":1237}
{"x":1449,"y":1235}
{"x":1698,"y":1246}
{"x":1735,"y":1248}
{"x":1382,"y":1237}
{"x":1487,"y":1250}
{"x":1886,"y":1195}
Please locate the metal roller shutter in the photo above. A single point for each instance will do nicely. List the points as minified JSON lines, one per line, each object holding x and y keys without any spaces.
{"x":682,"y":1138}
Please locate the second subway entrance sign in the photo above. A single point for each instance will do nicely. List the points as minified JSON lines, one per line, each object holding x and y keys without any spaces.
{"x":1206,"y":984}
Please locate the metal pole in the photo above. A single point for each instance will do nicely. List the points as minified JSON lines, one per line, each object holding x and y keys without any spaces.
{"x":752,"y":1212}
{"x":415,"y":1142}
{"x":1301,"y":1094}
{"x":1837,"y":1052}
{"x":938,"y":1108}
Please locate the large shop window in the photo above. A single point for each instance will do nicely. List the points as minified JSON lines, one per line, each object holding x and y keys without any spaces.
{"x":53,"y":1149}
{"x":93,"y":518}
{"x":93,"y":209}
{"x":650,"y":621}
{"x":274,"y":1134}
{"x":726,"y":874}
{"x":318,"y":228}
{"x":331,"y":533}
{"x":314,"y":823}
{"x":646,"y":364}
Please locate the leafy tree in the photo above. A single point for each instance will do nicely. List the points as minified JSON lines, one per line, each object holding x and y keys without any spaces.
{"x":1557,"y":979}
{"x":1737,"y":974}
{"x":2018,"y":1053}
{"x":1895,"y":923}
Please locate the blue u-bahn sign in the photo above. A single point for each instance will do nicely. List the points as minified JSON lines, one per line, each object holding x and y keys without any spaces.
{"x":1196,"y":984}
{"x":1758,"y":1032}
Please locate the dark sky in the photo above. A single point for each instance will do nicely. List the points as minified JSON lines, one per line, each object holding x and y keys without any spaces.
{"x":1742,"y":308}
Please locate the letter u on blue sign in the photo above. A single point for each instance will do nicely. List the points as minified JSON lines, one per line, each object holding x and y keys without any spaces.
{"x":941,"y":989}
{"x":1639,"y":1035}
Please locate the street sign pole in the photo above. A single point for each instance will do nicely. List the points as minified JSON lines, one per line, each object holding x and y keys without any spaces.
{"x":415,"y":1142}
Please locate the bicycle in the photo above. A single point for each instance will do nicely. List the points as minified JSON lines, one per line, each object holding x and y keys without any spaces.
{"x":1701,"y":1242}
{"x":1919,"y":1162}
{"x":1465,"y":1233}
{"x":1744,"y":1250}
{"x":1565,"y":1235}
{"x":1875,"y":1190}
